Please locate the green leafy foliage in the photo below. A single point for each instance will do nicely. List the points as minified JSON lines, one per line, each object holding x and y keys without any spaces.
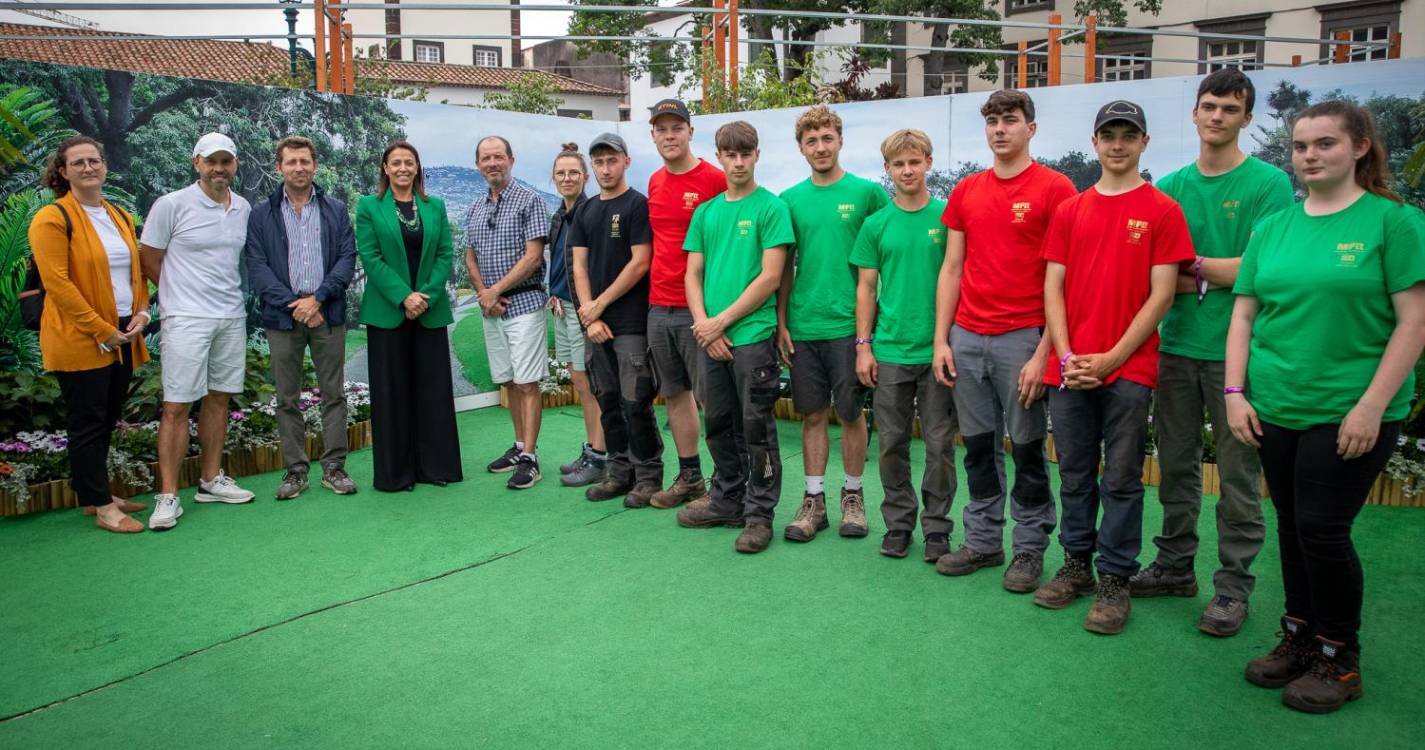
{"x":29,"y":401}
{"x":760,"y":86}
{"x":535,"y":93}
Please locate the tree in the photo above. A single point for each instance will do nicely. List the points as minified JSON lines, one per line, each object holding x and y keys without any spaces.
{"x":535,"y":93}
{"x":1082,"y":169}
{"x":761,"y":86}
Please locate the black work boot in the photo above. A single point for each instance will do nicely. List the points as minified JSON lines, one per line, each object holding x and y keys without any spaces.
{"x":1288,"y":661}
{"x":1333,"y":679}
{"x":1072,"y":581}
{"x":1156,"y":580}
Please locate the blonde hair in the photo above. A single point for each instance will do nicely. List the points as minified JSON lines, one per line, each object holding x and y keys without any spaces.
{"x":817,"y":117}
{"x":903,"y":140}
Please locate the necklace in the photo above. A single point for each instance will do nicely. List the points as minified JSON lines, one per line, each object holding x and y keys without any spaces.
{"x":412,"y":224}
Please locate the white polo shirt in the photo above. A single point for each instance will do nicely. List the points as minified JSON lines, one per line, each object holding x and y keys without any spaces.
{"x":203,"y":244}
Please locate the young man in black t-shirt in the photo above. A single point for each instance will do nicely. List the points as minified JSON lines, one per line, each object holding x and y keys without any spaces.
{"x":613,"y":247}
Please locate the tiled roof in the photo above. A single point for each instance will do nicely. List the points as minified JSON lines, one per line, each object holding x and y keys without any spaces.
{"x":243,"y":62}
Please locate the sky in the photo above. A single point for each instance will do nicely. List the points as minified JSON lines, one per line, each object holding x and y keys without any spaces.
{"x":259,"y":20}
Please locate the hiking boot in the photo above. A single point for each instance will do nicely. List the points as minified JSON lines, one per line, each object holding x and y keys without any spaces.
{"x":337,"y":480}
{"x":1156,"y":580}
{"x":585,"y":453}
{"x":965,"y":561}
{"x":1223,"y":616}
{"x":293,"y":484}
{"x":895,"y":543}
{"x":754,"y":538}
{"x":1333,"y":679}
{"x":608,"y":489}
{"x":853,"y":513}
{"x":1072,"y":581}
{"x":811,"y":518}
{"x":1023,"y":574}
{"x":700,"y":514}
{"x":937,"y":545}
{"x":1109,"y":613}
{"x":687,"y":488}
{"x":640,"y":495}
{"x":1288,"y":661}
{"x":506,"y":462}
{"x":589,"y":471}
{"x":526,"y":473}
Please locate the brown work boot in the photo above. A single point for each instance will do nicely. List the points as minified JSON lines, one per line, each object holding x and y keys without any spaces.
{"x":754,"y":538}
{"x":686,"y":488}
{"x":700,"y":514}
{"x":811,"y":518}
{"x":1024,"y":572}
{"x":1288,"y":661}
{"x":1333,"y":679}
{"x":853,"y":513}
{"x":965,"y":561}
{"x":608,"y":489}
{"x":641,"y":494}
{"x":1072,"y":581}
{"x":1109,"y":613}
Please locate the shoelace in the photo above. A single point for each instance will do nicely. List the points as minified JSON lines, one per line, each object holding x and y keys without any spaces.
{"x":1322,"y":667}
{"x":1221,"y":604}
{"x":224,"y":481}
{"x":1072,"y":568}
{"x":1021,"y":557}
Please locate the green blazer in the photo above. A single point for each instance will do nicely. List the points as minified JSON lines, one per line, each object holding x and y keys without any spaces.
{"x":388,"y":275}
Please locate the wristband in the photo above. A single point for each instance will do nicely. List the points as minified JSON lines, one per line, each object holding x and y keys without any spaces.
{"x":1064,"y":365}
{"x":860,"y":341}
{"x":1198,"y":281}
{"x":1231,"y":389}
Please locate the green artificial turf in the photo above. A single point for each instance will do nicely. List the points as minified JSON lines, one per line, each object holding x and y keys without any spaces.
{"x":467,"y":339}
{"x":475,"y":616}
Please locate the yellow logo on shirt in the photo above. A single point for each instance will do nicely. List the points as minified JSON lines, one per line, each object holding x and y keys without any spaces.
{"x":1230,"y":208}
{"x":690,"y":201}
{"x":1348,"y":252}
{"x":744,"y":227}
{"x":846,"y":210}
{"x":614,"y":227}
{"x":1020,"y":209}
{"x":936,"y":234}
{"x":1136,"y":229}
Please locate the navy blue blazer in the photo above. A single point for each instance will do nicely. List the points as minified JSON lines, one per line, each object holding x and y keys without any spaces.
{"x":267,"y":253}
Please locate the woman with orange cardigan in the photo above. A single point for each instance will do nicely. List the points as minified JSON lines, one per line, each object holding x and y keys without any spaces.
{"x":95,"y":310}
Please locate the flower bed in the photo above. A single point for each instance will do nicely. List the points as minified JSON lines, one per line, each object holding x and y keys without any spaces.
{"x":34,"y":466}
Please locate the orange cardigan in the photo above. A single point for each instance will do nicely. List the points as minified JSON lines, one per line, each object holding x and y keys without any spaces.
{"x":79,"y":312}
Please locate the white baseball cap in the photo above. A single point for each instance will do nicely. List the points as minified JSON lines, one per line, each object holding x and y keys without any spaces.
{"x":212,"y":143}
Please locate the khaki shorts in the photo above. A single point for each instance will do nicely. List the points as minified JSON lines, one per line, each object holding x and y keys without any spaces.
{"x":518,"y":348}
{"x":568,"y":337}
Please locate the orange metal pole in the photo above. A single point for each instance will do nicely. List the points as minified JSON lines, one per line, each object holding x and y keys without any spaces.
{"x":1054,"y":49}
{"x":1393,"y":51}
{"x":1090,"y":49}
{"x":732,"y":30}
{"x":320,"y":16}
{"x":334,"y":76}
{"x":350,"y":59}
{"x":1023,"y":64}
{"x":719,"y":41}
{"x":1342,"y":52}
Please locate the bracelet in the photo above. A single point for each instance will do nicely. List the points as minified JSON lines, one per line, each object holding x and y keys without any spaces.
{"x":1064,"y":365}
{"x":1197,"y":279}
{"x":1231,"y":389}
{"x":860,"y":341}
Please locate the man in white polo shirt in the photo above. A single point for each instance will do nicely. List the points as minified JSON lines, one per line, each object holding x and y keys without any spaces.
{"x":192,"y":242}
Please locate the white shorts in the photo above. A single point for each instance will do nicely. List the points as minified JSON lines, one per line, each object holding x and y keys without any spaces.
{"x":201,"y":355}
{"x":569,"y":338}
{"x":518,"y":348}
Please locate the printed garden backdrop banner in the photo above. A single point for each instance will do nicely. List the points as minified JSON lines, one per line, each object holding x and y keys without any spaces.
{"x":149,"y":123}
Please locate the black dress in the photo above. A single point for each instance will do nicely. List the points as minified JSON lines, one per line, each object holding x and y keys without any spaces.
{"x":413,"y":432}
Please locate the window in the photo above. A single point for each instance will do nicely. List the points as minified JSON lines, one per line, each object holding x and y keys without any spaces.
{"x":1232,"y":53}
{"x":1036,"y":71}
{"x":1012,"y":7}
{"x":581,"y":114}
{"x":374,"y":51}
{"x":955,"y":79}
{"x":561,"y":68}
{"x":431,"y":52}
{"x":487,"y":57}
{"x":1126,"y":60}
{"x":1365,"y":22}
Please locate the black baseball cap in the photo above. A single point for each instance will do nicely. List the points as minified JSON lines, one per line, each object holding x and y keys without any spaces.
{"x":674,"y":107}
{"x":1120,"y":110}
{"x":608,"y":140}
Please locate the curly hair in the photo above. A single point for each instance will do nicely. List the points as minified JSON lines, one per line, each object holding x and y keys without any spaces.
{"x":817,"y":117}
{"x":52,"y":178}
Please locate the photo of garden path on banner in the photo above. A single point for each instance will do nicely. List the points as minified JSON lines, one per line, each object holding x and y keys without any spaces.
{"x":149,"y":135}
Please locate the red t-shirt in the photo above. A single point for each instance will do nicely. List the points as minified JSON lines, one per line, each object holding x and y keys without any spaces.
{"x":672,"y":198}
{"x":1108,"y":246}
{"x":1004,"y":221}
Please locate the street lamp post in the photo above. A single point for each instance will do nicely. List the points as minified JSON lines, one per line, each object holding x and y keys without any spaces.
{"x":291,"y":14}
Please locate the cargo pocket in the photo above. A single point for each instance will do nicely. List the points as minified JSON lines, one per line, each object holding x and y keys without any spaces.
{"x":765,"y":384}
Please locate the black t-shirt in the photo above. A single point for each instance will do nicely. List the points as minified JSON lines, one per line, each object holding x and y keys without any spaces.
{"x":413,"y":237}
{"x":610,"y":229}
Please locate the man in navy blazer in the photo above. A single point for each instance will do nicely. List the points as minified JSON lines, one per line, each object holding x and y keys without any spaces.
{"x":301,"y":254}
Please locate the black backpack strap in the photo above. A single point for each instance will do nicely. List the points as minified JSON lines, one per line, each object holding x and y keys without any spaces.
{"x":68,"y":225}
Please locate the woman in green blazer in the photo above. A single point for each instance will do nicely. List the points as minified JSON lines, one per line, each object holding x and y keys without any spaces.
{"x":403,"y":237}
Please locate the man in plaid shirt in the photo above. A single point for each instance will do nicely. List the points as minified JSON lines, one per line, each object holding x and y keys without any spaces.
{"x":504,"y":238}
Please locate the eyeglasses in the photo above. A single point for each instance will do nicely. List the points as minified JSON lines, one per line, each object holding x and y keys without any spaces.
{"x":568,"y":174}
{"x":89,"y":162}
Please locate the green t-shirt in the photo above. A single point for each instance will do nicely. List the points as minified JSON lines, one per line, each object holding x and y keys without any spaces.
{"x":823,"y":301}
{"x":732,"y":236}
{"x":1323,"y":285}
{"x":907,"y":247}
{"x":1221,"y":211}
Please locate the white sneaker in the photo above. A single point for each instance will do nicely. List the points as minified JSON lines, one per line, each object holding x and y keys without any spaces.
{"x":166,"y":511}
{"x":222,"y":490}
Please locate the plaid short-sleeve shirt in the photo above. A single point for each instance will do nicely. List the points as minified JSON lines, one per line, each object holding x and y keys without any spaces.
{"x":498,"y":231}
